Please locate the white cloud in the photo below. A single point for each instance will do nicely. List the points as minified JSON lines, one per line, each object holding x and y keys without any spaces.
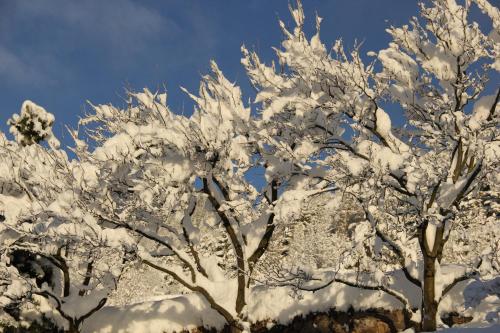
{"x":55,"y":41}
{"x":115,"y":22}
{"x":16,"y":70}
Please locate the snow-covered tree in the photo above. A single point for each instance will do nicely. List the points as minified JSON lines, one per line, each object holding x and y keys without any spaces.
{"x":51,"y":251}
{"x":32,"y":125}
{"x":320,"y":130}
{"x":151,"y":168}
{"x":410,"y":181}
{"x":303,"y":242}
{"x":475,"y":234}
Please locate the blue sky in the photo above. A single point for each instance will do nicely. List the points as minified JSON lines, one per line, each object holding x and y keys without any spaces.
{"x":62,"y":53}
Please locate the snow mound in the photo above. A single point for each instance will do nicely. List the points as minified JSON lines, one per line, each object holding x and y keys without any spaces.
{"x":185,"y":312}
{"x":172,"y":314}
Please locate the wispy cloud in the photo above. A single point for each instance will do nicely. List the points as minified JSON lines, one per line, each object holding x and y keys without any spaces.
{"x":15,"y":69}
{"x":116,"y":22}
{"x":39,"y":39}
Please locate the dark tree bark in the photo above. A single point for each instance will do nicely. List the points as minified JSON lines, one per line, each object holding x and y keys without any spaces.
{"x":429,"y":303}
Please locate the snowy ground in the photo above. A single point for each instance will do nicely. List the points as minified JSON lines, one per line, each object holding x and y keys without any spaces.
{"x":174,"y":313}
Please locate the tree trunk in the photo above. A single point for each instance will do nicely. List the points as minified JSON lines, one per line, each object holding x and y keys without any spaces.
{"x":432,"y":256}
{"x":235,"y":327}
{"x":73,"y":327}
{"x":430,"y":305}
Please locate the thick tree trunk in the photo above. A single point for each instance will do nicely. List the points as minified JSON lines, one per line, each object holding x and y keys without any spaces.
{"x":430,"y":305}
{"x":432,"y":255}
{"x":73,"y":327}
{"x":234,"y":329}
{"x":235,"y":326}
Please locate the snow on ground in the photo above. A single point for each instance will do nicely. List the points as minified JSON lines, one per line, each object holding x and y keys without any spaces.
{"x":477,"y":299}
{"x":174,"y":313}
{"x":171,"y":314}
{"x":281,"y":305}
